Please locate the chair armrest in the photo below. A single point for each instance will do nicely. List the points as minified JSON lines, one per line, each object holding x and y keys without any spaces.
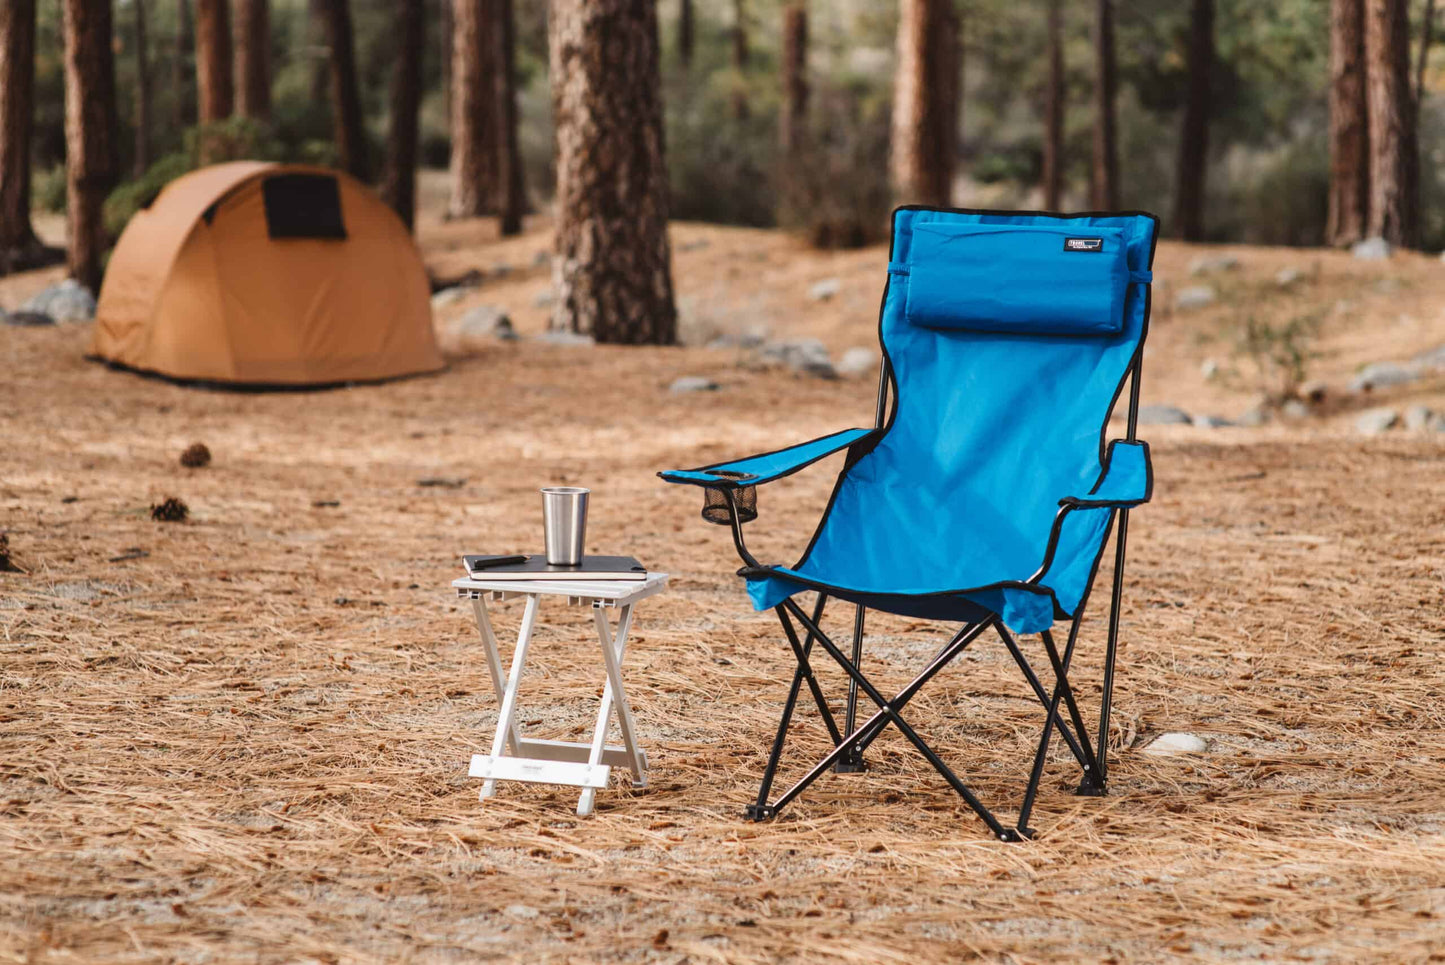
{"x":767,"y":466}
{"x":1127,"y":479}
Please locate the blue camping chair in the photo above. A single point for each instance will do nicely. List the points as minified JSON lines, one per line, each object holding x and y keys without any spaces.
{"x":986,"y":494}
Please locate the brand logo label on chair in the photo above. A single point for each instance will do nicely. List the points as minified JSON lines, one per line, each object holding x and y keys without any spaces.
{"x":1083,"y":244}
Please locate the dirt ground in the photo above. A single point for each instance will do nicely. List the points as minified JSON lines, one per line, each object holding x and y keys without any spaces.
{"x":249,"y":742}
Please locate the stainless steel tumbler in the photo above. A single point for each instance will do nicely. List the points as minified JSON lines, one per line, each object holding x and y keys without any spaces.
{"x":564,"y":523}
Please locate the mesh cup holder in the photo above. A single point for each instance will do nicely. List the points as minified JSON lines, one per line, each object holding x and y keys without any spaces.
{"x":715,"y":508}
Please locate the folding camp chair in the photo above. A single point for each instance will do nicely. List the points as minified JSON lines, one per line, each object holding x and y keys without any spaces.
{"x":986,"y":493}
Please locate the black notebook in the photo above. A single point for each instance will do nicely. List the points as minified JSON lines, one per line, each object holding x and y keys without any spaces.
{"x":537,"y":568}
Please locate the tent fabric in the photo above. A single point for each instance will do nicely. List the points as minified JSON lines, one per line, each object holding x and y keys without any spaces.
{"x":199,"y":289}
{"x":990,"y":488}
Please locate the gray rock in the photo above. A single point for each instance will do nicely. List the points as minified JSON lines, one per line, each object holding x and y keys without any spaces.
{"x":858,"y":361}
{"x":27,"y":319}
{"x":68,"y":301}
{"x":1212,"y":264}
{"x":1209,"y":368}
{"x":1196,"y":296}
{"x":501,"y":269}
{"x":824,"y":290}
{"x":1313,"y":391}
{"x":1372,"y":422}
{"x":1163,"y":415}
{"x":692,"y":383}
{"x":1167,"y":745}
{"x":1418,"y":417}
{"x":1288,"y":277}
{"x":449,"y":296}
{"x":1379,"y":374}
{"x":1433,"y":359}
{"x":486,"y":320}
{"x":1211,"y":422}
{"x":1254,"y":417}
{"x":1294,"y":409}
{"x":808,"y":356}
{"x":521,"y":911}
{"x":1371,"y":249}
{"x":544,"y":299}
{"x":541,"y":259}
{"x":561,"y":336}
{"x":1437,"y":423}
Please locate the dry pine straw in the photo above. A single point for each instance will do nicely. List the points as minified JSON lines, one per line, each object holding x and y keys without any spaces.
{"x":251,"y":744}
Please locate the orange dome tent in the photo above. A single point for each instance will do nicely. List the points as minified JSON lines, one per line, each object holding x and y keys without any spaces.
{"x":267,"y":274}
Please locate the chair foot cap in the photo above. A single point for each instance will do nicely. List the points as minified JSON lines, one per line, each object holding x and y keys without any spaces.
{"x":850,"y":764}
{"x":760,"y":812}
{"x":1014,"y":835}
{"x":1088,"y":787}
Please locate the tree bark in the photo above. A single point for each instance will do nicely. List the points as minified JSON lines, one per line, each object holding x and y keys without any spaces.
{"x":741,"y":109}
{"x":90,"y":133}
{"x":925,"y":102}
{"x":1394,"y":149}
{"x":1104,"y":187}
{"x":1053,"y":175}
{"x":511,"y":192}
{"x":1194,"y":138}
{"x":684,"y":33}
{"x":793,"y":126}
{"x":346,"y":119}
{"x":213,"y":60}
{"x":142,"y":92}
{"x":612,"y":265}
{"x":444,"y":30}
{"x":321,"y":65}
{"x":474,"y":155}
{"x":398,"y":186}
{"x":17,"y":107}
{"x":183,"y":68}
{"x":253,"y":59}
{"x":1427,"y":32}
{"x":1349,"y":203}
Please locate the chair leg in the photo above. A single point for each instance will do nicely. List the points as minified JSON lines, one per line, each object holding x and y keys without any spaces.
{"x":852,"y":760}
{"x":1110,"y":653}
{"x":1053,"y":715}
{"x":1038,"y":688}
{"x":761,"y":810}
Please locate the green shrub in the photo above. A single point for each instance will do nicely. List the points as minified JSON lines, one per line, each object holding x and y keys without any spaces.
{"x":133,"y":196}
{"x":48,"y":189}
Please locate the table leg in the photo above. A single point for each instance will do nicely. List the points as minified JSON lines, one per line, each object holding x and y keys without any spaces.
{"x":604,"y":712}
{"x":506,"y":717}
{"x":494,"y":666}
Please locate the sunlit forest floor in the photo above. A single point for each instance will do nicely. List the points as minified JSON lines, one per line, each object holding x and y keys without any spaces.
{"x":249,"y":742}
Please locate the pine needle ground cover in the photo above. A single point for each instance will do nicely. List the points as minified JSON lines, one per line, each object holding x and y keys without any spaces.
{"x":250,"y":743}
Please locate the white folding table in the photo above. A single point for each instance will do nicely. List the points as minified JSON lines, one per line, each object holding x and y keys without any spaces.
{"x":517,"y":758}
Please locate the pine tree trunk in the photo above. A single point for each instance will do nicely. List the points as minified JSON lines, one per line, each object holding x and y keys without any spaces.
{"x":474,"y":172}
{"x":253,"y":59}
{"x":17,"y":93}
{"x":398,"y":186}
{"x":684,"y":33}
{"x":346,"y":119}
{"x":1394,"y":150}
{"x":1427,"y":33}
{"x":321,"y":65}
{"x":1104,"y":188}
{"x":142,"y":92}
{"x":1053,"y":174}
{"x":90,"y":133}
{"x":213,"y":60}
{"x":183,"y":74}
{"x":444,"y":30}
{"x":925,"y":103}
{"x":1194,"y":139}
{"x":793,"y":126}
{"x":511,"y":192}
{"x":612,"y":266}
{"x":1349,"y":203}
{"x":741,"y":110}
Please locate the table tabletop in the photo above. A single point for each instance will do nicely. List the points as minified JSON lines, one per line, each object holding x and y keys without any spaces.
{"x":617,"y":591}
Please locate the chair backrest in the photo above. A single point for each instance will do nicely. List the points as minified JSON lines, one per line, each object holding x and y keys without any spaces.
{"x":1008,"y":338}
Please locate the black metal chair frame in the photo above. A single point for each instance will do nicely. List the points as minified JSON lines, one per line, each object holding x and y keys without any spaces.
{"x":853,"y":739}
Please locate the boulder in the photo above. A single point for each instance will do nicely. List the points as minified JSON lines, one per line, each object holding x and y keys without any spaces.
{"x":858,"y":361}
{"x":1209,"y":368}
{"x":68,"y":301}
{"x":1195,"y":297}
{"x":1371,"y":249}
{"x":561,"y":336}
{"x":1418,"y":417}
{"x":1433,"y":359}
{"x":692,"y":383}
{"x":1254,"y":417}
{"x":808,"y":356}
{"x":1167,"y":745}
{"x":27,"y":319}
{"x":824,"y":290}
{"x":1163,"y":415}
{"x":1372,"y":422}
{"x":1288,"y":277}
{"x":1213,"y":264}
{"x":449,"y":296}
{"x":1211,"y":422}
{"x":485,"y":320}
{"x":1379,"y":374}
{"x":1313,"y":391}
{"x":1294,"y":409}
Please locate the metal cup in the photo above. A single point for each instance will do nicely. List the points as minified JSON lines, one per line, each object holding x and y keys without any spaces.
{"x":564,"y":523}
